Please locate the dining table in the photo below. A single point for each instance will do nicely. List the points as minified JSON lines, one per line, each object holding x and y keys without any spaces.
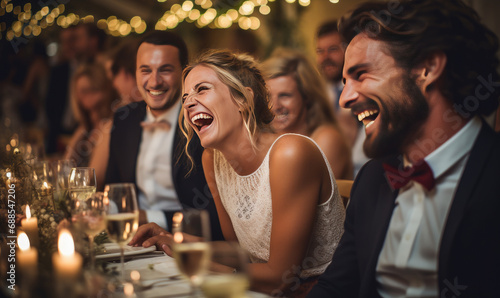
{"x":149,"y":273}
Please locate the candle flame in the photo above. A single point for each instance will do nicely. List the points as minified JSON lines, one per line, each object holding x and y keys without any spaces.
{"x":65,"y":245}
{"x":28,"y":212}
{"x":45,"y":185}
{"x":9,"y":174}
{"x":23,"y":241}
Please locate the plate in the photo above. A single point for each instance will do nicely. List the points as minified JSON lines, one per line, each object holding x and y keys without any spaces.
{"x":112,"y":250}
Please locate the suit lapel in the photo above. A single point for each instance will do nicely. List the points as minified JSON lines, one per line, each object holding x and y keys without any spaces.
{"x":382,"y":214}
{"x":134,"y":134}
{"x":477,"y":159}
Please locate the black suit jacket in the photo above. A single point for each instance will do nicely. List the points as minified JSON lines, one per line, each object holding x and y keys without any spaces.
{"x":469,"y":253}
{"x":192,"y":191}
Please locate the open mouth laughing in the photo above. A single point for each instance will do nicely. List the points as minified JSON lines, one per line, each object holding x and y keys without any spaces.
{"x":367,"y":115}
{"x":202,"y":120}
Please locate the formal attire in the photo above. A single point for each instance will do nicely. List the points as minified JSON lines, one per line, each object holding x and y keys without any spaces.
{"x":415,"y":242}
{"x":125,"y":148}
{"x":247,"y":200}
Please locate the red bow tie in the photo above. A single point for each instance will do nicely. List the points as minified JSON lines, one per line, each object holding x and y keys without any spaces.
{"x":420,"y":172}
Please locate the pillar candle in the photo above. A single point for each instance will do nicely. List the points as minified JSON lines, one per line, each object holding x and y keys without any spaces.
{"x":30,"y":227}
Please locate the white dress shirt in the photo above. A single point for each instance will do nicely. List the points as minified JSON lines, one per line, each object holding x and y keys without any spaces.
{"x":408,"y":263}
{"x":154,"y":168}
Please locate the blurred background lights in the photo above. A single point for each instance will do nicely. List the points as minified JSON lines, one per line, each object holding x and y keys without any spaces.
{"x":29,"y":19}
{"x":187,"y":5}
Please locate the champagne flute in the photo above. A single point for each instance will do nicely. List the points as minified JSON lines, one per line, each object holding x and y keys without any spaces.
{"x":190,"y":248}
{"x":228,"y":271}
{"x":122,"y":215}
{"x":89,"y":216}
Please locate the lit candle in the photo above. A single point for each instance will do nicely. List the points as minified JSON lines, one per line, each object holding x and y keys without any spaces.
{"x":27,"y":259}
{"x":67,"y":263}
{"x":30,"y":227}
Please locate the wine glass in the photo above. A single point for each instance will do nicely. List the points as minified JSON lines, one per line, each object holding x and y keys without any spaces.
{"x":62,"y":172}
{"x":122,"y":215}
{"x":190,"y":248}
{"x":81,"y":183}
{"x":227,"y":275}
{"x":89,"y":216}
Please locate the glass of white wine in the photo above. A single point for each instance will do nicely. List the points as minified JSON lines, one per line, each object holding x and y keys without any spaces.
{"x":81,"y":184}
{"x":89,"y":215}
{"x":191,"y":250}
{"x":227,"y":275}
{"x":122,"y":219}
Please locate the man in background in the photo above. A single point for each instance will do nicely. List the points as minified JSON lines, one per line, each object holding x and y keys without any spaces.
{"x":147,"y":145}
{"x":330,"y":59}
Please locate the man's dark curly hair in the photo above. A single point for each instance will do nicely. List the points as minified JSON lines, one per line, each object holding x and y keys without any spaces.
{"x":415,"y":29}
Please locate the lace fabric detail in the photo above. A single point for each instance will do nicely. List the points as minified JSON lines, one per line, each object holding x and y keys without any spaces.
{"x":247,"y":200}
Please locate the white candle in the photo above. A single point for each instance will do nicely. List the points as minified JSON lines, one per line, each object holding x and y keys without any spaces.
{"x":30,"y":227}
{"x":27,"y":258}
{"x":67,"y":263}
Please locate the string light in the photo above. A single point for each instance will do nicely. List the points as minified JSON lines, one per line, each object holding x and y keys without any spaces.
{"x":202,"y":13}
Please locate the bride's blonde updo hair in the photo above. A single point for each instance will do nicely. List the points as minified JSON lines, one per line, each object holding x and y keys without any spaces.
{"x":238,"y":72}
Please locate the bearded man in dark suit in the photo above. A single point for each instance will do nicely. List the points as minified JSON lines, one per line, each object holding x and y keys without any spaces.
{"x":147,"y":145}
{"x":423,"y":217}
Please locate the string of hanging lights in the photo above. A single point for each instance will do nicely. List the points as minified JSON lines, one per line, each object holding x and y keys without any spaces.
{"x":202,"y":13}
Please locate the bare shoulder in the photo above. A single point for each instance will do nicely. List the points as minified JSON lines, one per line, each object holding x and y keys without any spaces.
{"x":294,"y":150}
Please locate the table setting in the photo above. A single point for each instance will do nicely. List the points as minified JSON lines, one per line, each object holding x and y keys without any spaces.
{"x":64,"y":239}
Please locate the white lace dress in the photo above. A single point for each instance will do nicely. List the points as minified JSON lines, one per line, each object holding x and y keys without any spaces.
{"x":247,"y":200}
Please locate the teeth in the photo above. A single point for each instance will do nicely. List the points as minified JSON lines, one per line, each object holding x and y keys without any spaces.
{"x":156,"y":92}
{"x":369,"y":124}
{"x":365,"y":114}
{"x":201,"y":116}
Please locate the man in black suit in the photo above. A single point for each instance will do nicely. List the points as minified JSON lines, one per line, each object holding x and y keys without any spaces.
{"x":147,"y":146}
{"x":423,"y":218}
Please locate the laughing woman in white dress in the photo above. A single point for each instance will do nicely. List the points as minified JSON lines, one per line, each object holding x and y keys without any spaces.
{"x":275,"y":195}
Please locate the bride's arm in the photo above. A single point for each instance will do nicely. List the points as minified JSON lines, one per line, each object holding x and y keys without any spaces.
{"x":297,"y":169}
{"x":225,"y":221}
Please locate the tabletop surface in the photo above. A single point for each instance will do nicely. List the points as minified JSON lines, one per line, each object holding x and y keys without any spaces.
{"x":159,"y":277}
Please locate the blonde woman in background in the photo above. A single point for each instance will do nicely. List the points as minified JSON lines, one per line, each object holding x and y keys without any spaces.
{"x":301,"y":105}
{"x":92,"y":94}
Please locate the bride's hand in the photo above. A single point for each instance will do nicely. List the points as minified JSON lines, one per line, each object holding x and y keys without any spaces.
{"x":145,"y":233}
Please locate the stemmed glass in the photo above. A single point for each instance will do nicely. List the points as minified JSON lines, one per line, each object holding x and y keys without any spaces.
{"x":82,"y":183}
{"x":228,"y":271}
{"x":190,"y":248}
{"x":89,"y":216}
{"x":62,"y":172}
{"x":122,"y":215}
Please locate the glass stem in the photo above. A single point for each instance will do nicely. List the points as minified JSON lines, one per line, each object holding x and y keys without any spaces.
{"x":91,"y":253}
{"x":122,"y":261}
